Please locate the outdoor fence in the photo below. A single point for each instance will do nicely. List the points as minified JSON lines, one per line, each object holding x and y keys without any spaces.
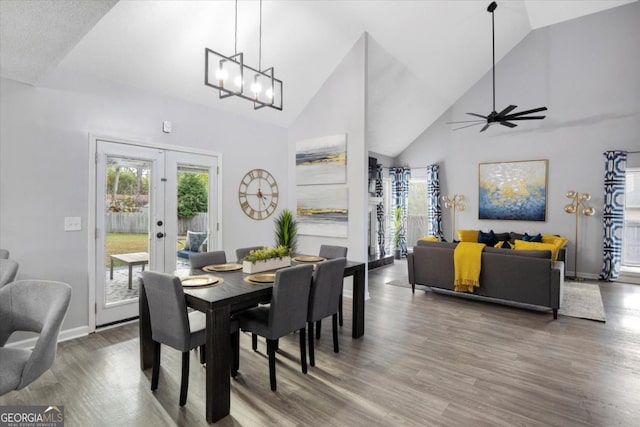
{"x":138,"y":222}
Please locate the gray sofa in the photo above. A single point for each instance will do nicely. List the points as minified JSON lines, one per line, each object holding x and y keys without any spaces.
{"x":520,"y":276}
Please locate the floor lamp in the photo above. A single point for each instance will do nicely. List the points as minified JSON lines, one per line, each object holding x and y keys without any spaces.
{"x":455,"y":202}
{"x":578,"y":205}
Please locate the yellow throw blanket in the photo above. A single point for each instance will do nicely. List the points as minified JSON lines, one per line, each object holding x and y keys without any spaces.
{"x":467,"y":259}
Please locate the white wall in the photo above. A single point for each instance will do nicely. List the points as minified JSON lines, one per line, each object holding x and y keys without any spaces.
{"x":586,"y":71}
{"x":339,"y":107}
{"x":44,"y":167}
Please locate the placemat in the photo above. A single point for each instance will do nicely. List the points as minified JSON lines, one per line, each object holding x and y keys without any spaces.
{"x":223,"y":267}
{"x":309,"y":258}
{"x":204,"y":280}
{"x":260,"y":278}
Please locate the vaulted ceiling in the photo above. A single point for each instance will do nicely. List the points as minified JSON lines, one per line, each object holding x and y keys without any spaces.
{"x":423,"y":55}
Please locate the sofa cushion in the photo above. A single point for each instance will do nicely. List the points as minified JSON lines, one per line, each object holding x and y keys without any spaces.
{"x":515,"y":236}
{"x":468,"y":236}
{"x":501,"y":237}
{"x":488,"y":239}
{"x":195,"y":239}
{"x":536,"y":238}
{"x":537,"y":246}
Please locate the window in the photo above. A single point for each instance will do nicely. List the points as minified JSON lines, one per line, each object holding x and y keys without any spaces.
{"x":417,"y":224}
{"x":631,"y":233}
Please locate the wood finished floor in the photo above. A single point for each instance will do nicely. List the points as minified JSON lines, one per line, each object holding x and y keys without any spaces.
{"x":425,"y":360}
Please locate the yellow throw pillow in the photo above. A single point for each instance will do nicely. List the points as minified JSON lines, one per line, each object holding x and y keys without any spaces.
{"x":503,"y":245}
{"x":429,"y":239}
{"x":555,"y":240}
{"x":468,"y":236}
{"x":521,"y":245}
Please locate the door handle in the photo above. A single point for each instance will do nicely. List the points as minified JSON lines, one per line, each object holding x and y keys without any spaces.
{"x":160,"y":235}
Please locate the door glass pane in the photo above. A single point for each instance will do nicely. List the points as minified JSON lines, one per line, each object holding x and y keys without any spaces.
{"x":193,"y":213}
{"x":417,"y":225}
{"x":631,"y":237}
{"x":126,"y":226}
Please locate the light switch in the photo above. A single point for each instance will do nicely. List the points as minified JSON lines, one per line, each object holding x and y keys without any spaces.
{"x":72,"y":223}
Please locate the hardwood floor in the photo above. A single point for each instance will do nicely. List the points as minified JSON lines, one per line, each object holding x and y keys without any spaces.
{"x":426,"y":359}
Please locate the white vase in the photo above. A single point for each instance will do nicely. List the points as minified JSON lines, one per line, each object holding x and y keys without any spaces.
{"x":269,"y":264}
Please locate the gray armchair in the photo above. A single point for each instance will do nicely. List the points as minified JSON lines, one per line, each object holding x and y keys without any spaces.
{"x":33,"y":306}
{"x":8,"y":271}
{"x":173,"y":326}
{"x":4,"y":254}
{"x":287,"y":313}
{"x":203,"y":259}
{"x":326,"y":289}
{"x":243,"y":252}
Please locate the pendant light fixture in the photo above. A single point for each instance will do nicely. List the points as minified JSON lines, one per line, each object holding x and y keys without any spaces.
{"x":232,"y":77}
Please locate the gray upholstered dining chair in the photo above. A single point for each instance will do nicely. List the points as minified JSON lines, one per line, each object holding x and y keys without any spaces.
{"x":207,"y":258}
{"x":4,"y":254}
{"x":330,"y":252}
{"x":8,"y":271}
{"x":287,"y":313}
{"x":243,"y":252}
{"x":33,"y":306}
{"x":173,"y":326}
{"x":326,"y":289}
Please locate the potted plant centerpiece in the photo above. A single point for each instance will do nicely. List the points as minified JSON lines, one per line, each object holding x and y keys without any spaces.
{"x":286,"y":230}
{"x":267,"y":259}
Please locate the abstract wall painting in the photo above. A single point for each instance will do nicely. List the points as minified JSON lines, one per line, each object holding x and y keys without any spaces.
{"x":322,"y":160}
{"x":323,"y":210}
{"x":513,"y":190}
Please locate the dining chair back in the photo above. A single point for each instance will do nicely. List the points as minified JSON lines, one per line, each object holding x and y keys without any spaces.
{"x":4,"y":254}
{"x":324,"y":297}
{"x":8,"y":271}
{"x":287,"y":313}
{"x":32,"y":306}
{"x":199,"y":260}
{"x":243,"y":252}
{"x":171,"y":324}
{"x":330,"y":252}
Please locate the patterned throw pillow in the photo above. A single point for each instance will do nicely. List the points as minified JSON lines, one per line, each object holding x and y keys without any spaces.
{"x":537,"y":238}
{"x":195,"y":239}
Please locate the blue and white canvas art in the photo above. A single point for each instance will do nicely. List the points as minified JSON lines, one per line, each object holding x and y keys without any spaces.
{"x":323,"y":210}
{"x":513,"y":190}
{"x":322,"y":160}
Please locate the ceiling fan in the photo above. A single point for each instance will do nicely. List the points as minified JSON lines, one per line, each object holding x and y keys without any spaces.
{"x":504,"y":117}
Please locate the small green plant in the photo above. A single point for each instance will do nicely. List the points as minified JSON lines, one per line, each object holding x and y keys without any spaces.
{"x":268,"y":253}
{"x":286,"y":230}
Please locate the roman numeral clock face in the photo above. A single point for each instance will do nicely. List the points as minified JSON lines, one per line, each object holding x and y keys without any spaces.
{"x":258,"y":194}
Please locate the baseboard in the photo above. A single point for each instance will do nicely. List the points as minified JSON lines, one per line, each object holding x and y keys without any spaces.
{"x":66,"y":335}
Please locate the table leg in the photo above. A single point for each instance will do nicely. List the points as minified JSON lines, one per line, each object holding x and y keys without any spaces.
{"x":217,"y":354}
{"x":111,"y":274}
{"x":144,"y":324}
{"x":130,"y":274}
{"x":358,"y":302}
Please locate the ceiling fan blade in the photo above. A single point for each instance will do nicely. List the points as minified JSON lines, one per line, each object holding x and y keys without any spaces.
{"x":507,"y":110}
{"x":509,"y":125}
{"x":535,"y":110}
{"x":511,"y":118}
{"x":485,"y":127}
{"x":477,"y":115}
{"x":462,"y":127}
{"x":466,"y":121}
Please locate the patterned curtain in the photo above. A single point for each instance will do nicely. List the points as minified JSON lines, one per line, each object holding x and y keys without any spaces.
{"x":434,"y":214}
{"x":400,"y":193}
{"x":380,"y":211}
{"x":613,"y":213}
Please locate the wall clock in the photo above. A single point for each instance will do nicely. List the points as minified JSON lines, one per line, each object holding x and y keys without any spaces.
{"x":258,"y":194}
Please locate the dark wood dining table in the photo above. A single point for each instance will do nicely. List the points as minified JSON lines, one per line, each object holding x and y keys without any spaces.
{"x":219,"y":302}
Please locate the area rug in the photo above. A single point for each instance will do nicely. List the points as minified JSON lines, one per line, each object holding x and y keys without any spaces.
{"x":581,"y":300}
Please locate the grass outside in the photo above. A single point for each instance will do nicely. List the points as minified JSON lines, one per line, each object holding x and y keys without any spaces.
{"x":126,"y":243}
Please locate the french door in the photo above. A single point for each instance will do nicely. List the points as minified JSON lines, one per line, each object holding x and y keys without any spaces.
{"x":146,"y":201}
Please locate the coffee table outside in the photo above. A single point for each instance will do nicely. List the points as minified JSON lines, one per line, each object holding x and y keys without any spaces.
{"x":137,"y":258}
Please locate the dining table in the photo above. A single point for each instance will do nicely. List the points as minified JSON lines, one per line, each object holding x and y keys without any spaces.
{"x":219,"y":302}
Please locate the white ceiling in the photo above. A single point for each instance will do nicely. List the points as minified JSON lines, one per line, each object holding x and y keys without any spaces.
{"x":423,"y":54}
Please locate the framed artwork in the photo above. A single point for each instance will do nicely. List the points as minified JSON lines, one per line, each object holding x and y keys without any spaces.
{"x":322,"y":160}
{"x":513,"y":190}
{"x":323,"y":210}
